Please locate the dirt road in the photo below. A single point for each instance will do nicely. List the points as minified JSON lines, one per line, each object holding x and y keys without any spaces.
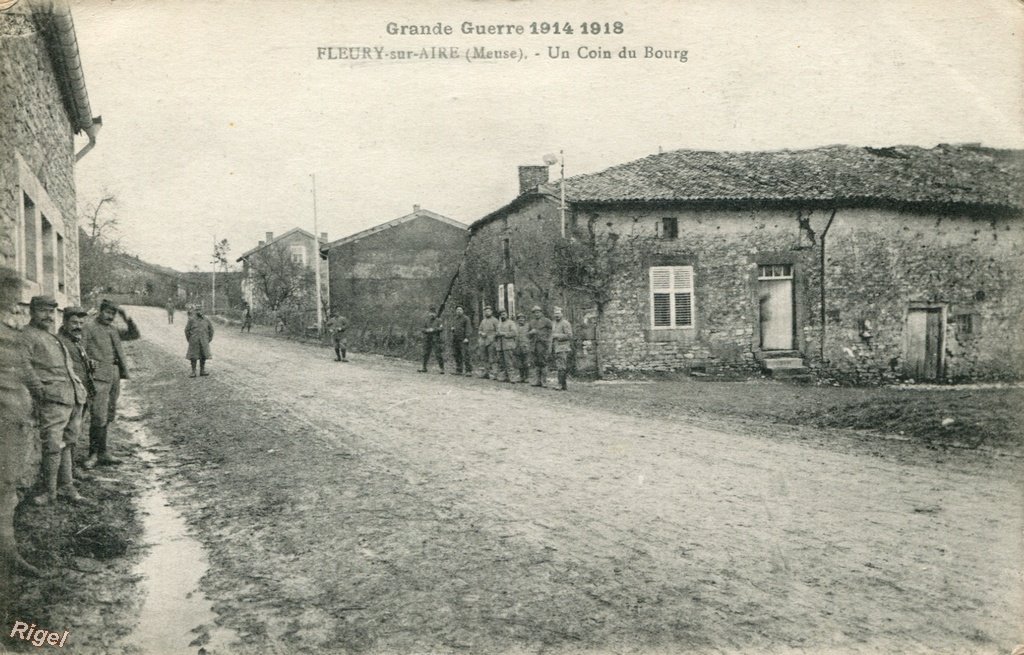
{"x":363,"y":507}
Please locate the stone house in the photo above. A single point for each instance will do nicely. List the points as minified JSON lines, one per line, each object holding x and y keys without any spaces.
{"x":296,"y":246}
{"x":860,"y":264}
{"x":43,"y":105}
{"x":384,"y":278}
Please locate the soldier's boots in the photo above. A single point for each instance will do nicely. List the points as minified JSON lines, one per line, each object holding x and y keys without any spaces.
{"x":51,"y":469}
{"x":67,"y":477}
{"x":562,"y":381}
{"x":524,"y":373}
{"x":103,"y":458}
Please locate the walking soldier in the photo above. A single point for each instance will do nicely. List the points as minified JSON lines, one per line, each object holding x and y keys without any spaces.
{"x":337,"y":326}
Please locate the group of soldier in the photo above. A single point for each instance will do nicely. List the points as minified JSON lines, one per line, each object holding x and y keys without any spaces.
{"x":505,"y":345}
{"x":73,"y":375}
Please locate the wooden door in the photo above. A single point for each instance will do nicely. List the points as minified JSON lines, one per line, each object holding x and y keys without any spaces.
{"x":776,"y":308}
{"x":924,"y":344}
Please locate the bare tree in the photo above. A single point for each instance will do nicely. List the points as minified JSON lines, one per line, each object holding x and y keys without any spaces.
{"x":98,"y":244}
{"x":280,"y":281}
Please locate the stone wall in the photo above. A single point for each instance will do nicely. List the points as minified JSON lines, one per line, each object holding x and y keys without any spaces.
{"x":35,"y":126}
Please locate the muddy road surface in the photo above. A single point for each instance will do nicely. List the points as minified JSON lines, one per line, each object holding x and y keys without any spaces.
{"x":363,"y":507}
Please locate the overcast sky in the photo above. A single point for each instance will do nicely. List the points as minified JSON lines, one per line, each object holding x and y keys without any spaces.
{"x":216,"y":112}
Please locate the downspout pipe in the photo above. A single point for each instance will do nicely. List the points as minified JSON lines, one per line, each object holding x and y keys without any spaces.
{"x":821,"y":283}
{"x":68,"y":62}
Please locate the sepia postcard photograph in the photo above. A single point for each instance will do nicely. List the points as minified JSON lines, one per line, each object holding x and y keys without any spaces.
{"x":511,"y":327}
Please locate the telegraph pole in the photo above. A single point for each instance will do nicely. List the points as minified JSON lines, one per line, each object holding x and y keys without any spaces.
{"x":213,"y":280}
{"x":316,"y":265}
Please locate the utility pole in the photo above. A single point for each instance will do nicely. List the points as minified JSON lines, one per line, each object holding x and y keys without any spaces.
{"x":561,"y":185}
{"x":213,"y":280}
{"x":316,"y":265}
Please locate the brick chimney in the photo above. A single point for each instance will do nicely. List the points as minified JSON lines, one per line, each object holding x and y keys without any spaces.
{"x":270,"y":237}
{"x":415,"y":208}
{"x":323,"y":236}
{"x":530,"y":177}
{"x":263,"y":243}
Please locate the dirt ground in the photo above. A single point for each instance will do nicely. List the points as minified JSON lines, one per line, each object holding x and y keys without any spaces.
{"x":363,"y":507}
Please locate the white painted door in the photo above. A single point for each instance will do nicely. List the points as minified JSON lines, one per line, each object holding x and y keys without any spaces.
{"x":776,"y":307}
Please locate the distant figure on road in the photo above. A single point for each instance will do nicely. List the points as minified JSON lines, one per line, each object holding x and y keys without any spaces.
{"x":506,"y":344}
{"x":540,"y":343}
{"x":170,"y":311}
{"x":247,"y":320}
{"x":103,"y":345}
{"x":521,"y":352}
{"x":432,"y":331}
{"x":337,"y":326}
{"x":199,"y":332}
{"x":488,"y":334}
{"x":460,"y":342}
{"x":561,"y":344}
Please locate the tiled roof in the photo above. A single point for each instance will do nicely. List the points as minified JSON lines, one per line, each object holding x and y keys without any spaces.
{"x":946,"y":175}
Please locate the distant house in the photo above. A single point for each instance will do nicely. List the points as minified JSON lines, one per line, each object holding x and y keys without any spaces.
{"x":43,"y":104}
{"x":383,"y":278}
{"x":279,"y":272}
{"x":862,"y":264}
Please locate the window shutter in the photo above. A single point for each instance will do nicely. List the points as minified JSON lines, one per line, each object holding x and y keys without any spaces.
{"x":501,"y":297}
{"x":661,"y":278}
{"x":511,"y":288}
{"x":662,"y":309}
{"x":684,"y":309}
{"x":671,"y":296}
{"x":682,"y":277}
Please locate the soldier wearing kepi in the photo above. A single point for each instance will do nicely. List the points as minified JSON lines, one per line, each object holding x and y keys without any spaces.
{"x":561,"y":344}
{"x":460,"y":342}
{"x":506,"y":344}
{"x":488,"y":334}
{"x":103,"y":345}
{"x":70,"y":334}
{"x":337,"y":326}
{"x":540,"y":343}
{"x":521,"y":352}
{"x":432,"y":331}
{"x":58,"y":395}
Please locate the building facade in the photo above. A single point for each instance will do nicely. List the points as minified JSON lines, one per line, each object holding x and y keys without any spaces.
{"x":279,"y":272}
{"x":384,"y":278}
{"x":43,"y":105}
{"x":857,"y":264}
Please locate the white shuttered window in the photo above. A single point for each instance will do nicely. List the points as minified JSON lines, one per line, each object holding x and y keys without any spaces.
{"x":672,"y":297}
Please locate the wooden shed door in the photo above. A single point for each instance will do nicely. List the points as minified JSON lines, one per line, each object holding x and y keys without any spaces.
{"x":776,"y":307}
{"x":924,"y":343}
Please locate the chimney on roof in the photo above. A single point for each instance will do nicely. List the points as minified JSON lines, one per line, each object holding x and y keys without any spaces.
{"x":415,"y":208}
{"x":263,"y":243}
{"x":531,"y":177}
{"x":270,"y":237}
{"x":323,"y":236}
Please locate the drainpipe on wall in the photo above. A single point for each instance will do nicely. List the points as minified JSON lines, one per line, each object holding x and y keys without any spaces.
{"x":64,"y":49}
{"x":91,"y":132}
{"x":821,"y":283}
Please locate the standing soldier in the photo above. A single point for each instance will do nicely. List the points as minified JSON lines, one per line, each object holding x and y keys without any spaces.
{"x":488,"y":333}
{"x":103,"y":345}
{"x":247,"y":319}
{"x":460,"y":342}
{"x":199,"y":334}
{"x":540,"y":343}
{"x":337,"y":325}
{"x":432,"y":331}
{"x":561,"y":343}
{"x":521,"y":353}
{"x":70,"y":334}
{"x":170,"y":310}
{"x":506,"y":344}
{"x":59,"y":396}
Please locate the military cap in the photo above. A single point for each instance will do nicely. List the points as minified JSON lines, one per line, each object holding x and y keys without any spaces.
{"x":43,"y":301}
{"x":108,"y":304}
{"x":74,"y":310}
{"x":536,"y":308}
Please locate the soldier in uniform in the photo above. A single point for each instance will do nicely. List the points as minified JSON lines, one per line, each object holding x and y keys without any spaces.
{"x":540,"y":343}
{"x":488,"y":333}
{"x":521,"y":352}
{"x":199,"y":334}
{"x":247,"y":320}
{"x":15,"y":429}
{"x":432,"y":331}
{"x":337,"y":326}
{"x":58,"y":396}
{"x":70,"y":334}
{"x":506,"y":343}
{"x":460,"y":342}
{"x":103,"y":345}
{"x":561,"y":344}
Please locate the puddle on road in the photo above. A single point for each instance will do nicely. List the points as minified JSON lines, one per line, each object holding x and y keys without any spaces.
{"x":176,"y":617}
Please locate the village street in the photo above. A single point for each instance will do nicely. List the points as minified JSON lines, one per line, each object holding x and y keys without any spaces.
{"x":365,"y":507}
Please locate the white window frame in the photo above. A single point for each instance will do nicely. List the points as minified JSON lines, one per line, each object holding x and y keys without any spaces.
{"x":672,"y":280}
{"x":30,"y":187}
{"x":775,"y":272}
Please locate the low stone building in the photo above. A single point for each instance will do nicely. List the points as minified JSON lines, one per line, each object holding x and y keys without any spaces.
{"x":279,"y":272}
{"x":43,"y":105}
{"x":864,"y":264}
{"x":383,"y":279}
